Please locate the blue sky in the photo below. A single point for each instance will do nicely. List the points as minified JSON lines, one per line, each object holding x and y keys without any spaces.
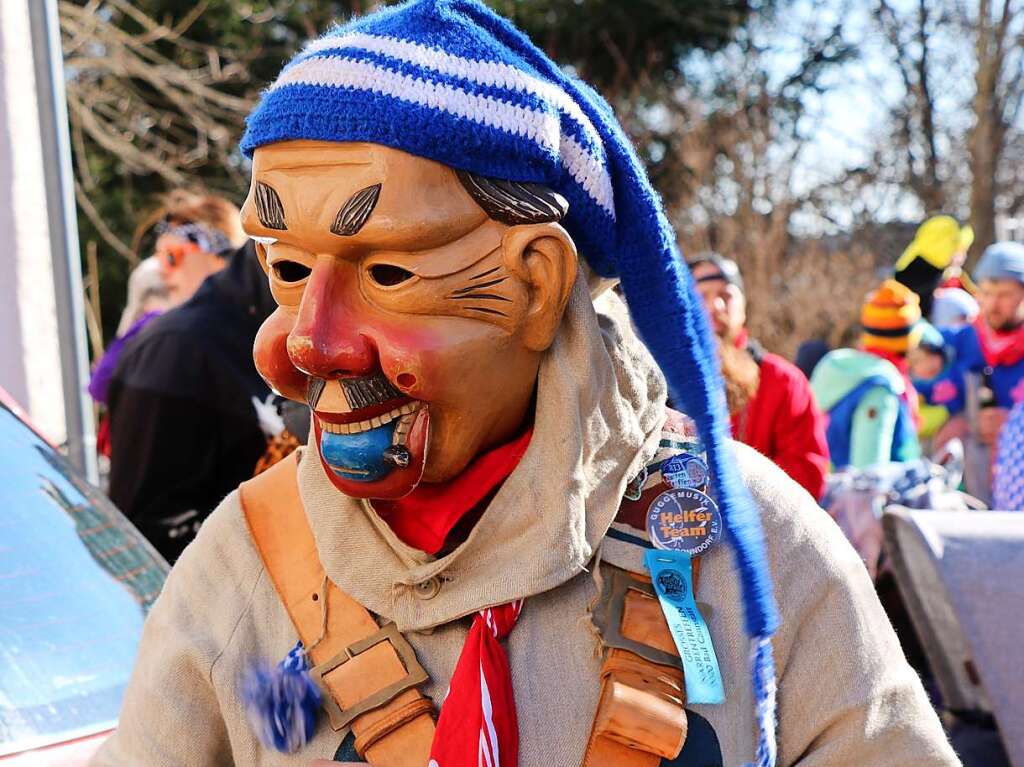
{"x":850,"y":118}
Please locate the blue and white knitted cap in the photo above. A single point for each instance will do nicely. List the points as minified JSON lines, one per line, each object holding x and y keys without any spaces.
{"x":451,"y":81}
{"x":952,"y":307}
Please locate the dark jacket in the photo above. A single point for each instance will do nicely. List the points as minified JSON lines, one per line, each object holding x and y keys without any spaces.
{"x":184,"y":431}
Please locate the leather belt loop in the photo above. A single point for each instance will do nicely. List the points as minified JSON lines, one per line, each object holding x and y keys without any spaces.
{"x":390,"y":723}
{"x":641,"y":717}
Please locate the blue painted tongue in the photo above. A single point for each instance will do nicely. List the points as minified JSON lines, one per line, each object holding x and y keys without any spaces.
{"x":359,"y":457}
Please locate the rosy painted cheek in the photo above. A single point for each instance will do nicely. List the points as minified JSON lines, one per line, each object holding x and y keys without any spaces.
{"x":437,"y":362}
{"x":270,"y":353}
{"x":407,"y":356}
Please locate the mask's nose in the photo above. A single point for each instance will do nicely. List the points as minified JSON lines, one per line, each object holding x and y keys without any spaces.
{"x":327,"y":339}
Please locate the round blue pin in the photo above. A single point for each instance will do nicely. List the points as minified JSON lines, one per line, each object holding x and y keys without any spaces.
{"x":684,"y":519}
{"x":685,"y":471}
{"x":673,"y":584}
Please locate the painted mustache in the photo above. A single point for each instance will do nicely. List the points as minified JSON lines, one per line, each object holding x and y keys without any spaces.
{"x":360,"y":391}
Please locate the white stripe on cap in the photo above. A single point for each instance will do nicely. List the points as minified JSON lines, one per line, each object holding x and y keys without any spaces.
{"x":480,"y":72}
{"x":588,"y":172}
{"x":587,"y":169}
{"x":541,"y":128}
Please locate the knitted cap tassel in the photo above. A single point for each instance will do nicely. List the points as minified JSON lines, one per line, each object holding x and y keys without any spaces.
{"x":680,"y":341}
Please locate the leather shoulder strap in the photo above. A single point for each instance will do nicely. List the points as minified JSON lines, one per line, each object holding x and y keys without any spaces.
{"x":368,"y":675}
{"x":640,"y":716}
{"x":277,"y":524}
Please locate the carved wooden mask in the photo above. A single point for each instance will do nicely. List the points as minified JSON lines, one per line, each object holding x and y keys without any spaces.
{"x":414,"y":305}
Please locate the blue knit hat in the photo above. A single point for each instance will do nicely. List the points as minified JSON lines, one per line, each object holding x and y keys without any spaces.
{"x":451,"y":81}
{"x":1001,"y":261}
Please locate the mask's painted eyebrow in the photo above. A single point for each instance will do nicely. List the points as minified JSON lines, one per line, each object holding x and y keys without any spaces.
{"x":356,"y":211}
{"x":269,"y":209}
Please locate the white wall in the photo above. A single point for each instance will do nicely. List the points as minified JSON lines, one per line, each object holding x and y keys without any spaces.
{"x":30,"y":367}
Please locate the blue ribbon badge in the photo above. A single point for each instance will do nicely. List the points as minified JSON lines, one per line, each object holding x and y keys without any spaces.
{"x":671,"y":574}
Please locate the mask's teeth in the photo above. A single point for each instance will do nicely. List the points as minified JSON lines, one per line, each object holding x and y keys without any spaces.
{"x":371,"y":423}
{"x":404,"y":424}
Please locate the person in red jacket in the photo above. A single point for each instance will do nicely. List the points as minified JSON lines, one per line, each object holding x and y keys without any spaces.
{"x":770,"y":400}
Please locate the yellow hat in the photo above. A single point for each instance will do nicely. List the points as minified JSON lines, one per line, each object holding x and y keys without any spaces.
{"x":936,"y":241}
{"x":891,"y":318}
{"x":966,"y":237}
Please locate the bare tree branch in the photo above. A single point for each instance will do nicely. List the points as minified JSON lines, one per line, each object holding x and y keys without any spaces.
{"x":104,"y":231}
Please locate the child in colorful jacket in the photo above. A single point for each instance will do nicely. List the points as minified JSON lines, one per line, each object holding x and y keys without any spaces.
{"x":867,"y":393}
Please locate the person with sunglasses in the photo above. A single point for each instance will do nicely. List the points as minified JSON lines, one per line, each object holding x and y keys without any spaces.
{"x":183,"y":427}
{"x":196,"y":233}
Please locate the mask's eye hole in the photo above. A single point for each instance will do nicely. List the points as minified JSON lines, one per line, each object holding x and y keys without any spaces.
{"x":388,"y":275}
{"x":290,"y":271}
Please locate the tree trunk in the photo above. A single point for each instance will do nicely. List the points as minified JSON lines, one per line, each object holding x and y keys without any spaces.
{"x":983,"y":187}
{"x":933,"y":196}
{"x":987,"y":138}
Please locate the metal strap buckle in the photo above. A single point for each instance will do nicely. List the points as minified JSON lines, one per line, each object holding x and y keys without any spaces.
{"x":609,"y":620}
{"x":415,"y":675}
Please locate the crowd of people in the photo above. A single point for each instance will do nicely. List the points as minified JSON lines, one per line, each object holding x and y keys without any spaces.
{"x":940,"y":358}
{"x":186,"y":415}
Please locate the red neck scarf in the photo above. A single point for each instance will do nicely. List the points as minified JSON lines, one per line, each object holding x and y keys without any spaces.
{"x":899,"y":361}
{"x":1001,"y":348}
{"x":426,"y":517}
{"x":477,"y":725}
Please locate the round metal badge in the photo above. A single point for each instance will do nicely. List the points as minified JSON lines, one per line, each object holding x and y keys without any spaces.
{"x":685,"y":471}
{"x":683,"y":519}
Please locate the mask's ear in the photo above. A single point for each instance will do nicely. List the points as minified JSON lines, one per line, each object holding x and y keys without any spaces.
{"x":544,"y":257}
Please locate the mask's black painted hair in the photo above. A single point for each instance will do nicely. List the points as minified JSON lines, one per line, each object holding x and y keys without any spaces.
{"x":514,"y":202}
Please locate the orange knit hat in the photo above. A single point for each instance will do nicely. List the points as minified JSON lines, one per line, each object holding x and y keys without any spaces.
{"x":890,"y":318}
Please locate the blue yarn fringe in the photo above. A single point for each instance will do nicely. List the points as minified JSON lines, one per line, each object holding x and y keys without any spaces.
{"x":281,"y":703}
{"x":762,"y":668}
